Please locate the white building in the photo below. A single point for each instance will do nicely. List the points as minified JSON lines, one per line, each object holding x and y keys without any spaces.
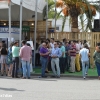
{"x":59,"y":23}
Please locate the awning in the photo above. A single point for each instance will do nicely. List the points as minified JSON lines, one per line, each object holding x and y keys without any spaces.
{"x":28,"y":9}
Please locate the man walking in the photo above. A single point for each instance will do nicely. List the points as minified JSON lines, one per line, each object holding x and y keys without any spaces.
{"x":84,"y":54}
{"x":25,"y":54}
{"x":55,"y":54}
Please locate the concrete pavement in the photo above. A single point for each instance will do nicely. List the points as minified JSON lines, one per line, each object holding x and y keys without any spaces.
{"x":65,"y":88}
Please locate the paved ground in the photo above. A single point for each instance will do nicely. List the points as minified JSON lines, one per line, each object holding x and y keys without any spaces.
{"x":50,"y":89}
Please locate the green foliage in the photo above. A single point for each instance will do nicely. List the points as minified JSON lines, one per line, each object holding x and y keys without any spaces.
{"x":72,"y":12}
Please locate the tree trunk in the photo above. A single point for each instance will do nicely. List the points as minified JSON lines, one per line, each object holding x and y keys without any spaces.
{"x":74,"y":12}
{"x":74,"y":27}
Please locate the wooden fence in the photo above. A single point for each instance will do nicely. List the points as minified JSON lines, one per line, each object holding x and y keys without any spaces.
{"x":91,"y":37}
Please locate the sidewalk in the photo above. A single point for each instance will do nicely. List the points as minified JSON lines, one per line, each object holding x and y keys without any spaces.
{"x":92,"y":73}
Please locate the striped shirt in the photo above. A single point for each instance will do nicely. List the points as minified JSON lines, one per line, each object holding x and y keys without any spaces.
{"x":73,"y":50}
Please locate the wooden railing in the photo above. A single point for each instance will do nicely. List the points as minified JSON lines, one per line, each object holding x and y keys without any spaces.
{"x":91,"y":37}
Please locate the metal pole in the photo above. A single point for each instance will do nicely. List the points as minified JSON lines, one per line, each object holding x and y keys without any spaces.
{"x":99,"y":13}
{"x":36,"y":4}
{"x":9,"y":23}
{"x":20,"y":34}
{"x":55,"y":15}
{"x":47,"y":21}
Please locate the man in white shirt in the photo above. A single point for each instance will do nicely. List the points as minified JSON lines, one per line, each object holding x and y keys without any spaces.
{"x":84,"y":54}
{"x":52,"y":42}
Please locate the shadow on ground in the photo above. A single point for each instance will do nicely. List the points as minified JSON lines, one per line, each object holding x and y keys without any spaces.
{"x":10,"y":89}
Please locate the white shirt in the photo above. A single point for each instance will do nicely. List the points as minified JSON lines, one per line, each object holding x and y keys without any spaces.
{"x":77,"y":48}
{"x":84,"y":54}
{"x":52,"y":45}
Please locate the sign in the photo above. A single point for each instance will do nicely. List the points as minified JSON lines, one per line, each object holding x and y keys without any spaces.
{"x":25,"y":29}
{"x":6,"y":30}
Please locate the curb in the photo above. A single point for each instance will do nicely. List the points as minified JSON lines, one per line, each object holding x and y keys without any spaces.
{"x":63,"y":75}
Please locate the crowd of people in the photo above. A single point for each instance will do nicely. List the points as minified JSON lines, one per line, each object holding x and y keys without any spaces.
{"x":55,"y":56}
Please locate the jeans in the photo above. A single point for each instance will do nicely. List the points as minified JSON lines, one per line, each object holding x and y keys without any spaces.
{"x":62,"y":64}
{"x":55,"y":61}
{"x":15,"y":66}
{"x":44,"y":62}
{"x":98,"y":68}
{"x":26,"y":68}
{"x":85,"y":66}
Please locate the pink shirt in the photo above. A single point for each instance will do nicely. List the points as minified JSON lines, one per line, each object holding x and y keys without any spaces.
{"x":25,"y":53}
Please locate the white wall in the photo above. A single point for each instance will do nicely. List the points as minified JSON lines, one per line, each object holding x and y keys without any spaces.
{"x":59,"y":23}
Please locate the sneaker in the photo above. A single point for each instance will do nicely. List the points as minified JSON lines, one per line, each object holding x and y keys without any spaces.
{"x":58,"y":76}
{"x":53,"y":76}
{"x":84,"y":77}
{"x":23,"y":77}
{"x":86,"y":74}
{"x":42,"y":76}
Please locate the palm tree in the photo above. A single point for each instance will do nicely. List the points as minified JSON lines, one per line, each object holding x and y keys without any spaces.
{"x":75,"y":8}
{"x":51,"y":10}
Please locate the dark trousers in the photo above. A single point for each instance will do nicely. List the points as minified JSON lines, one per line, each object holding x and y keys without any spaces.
{"x":49,"y":64}
{"x":62,"y":64}
{"x":15,"y":66}
{"x":98,"y":68}
{"x":37,"y":61}
{"x":67,"y":62}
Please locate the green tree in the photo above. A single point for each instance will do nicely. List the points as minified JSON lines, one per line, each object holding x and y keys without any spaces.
{"x":75,"y":8}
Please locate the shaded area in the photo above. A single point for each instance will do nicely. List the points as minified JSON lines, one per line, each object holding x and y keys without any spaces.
{"x":11,"y":89}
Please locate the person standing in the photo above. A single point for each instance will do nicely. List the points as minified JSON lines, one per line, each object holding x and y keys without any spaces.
{"x":4,"y":53}
{"x":52,"y":42}
{"x":55,"y":54}
{"x":15,"y":55}
{"x":25,"y":54}
{"x":44,"y":53}
{"x":73,"y":56}
{"x":96,"y":57}
{"x":62,"y":58}
{"x":67,"y":59}
{"x":84,"y":54}
{"x":10,"y":61}
{"x":77,"y":59}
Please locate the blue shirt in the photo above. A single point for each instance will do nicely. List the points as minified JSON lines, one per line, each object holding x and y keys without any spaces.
{"x":56,"y":52}
{"x":67,"y":49}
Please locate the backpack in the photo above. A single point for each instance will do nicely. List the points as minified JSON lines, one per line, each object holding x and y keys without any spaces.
{"x":4,"y":51}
